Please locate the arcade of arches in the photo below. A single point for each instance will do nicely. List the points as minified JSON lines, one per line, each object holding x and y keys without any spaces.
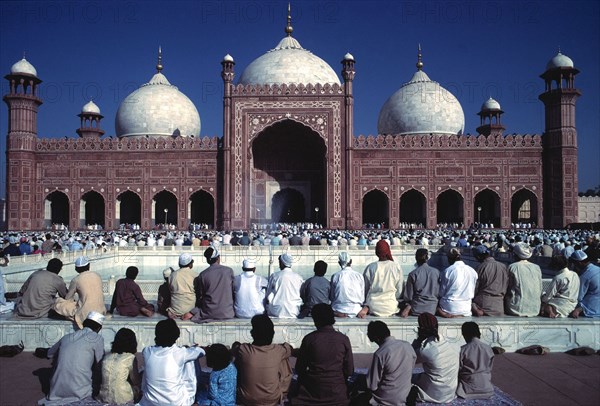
{"x":128,"y":209}
{"x":288,"y":177}
{"x":450,"y":208}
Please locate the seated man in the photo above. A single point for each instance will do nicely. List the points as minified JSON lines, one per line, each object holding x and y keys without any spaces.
{"x":389,"y":378}
{"x":283,"y":290}
{"x":181,"y":285}
{"x":249,"y":291}
{"x":214,"y":290}
{"x":561,"y":298}
{"x":422,"y":287}
{"x":88,"y":287}
{"x":169,"y":374}
{"x":38,"y":293}
{"x":476,"y":359}
{"x":128,"y":298}
{"x":524,"y":293}
{"x":315,"y":290}
{"x":457,"y":287}
{"x":76,"y":353}
{"x":347,"y":289}
{"x":588,"y":302}
{"x":492,"y":282}
{"x":264,"y":372}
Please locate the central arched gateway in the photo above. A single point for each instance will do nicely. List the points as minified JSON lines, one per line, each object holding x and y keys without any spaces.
{"x":288,"y":177}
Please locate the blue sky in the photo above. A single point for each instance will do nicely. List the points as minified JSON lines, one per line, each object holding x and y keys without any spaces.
{"x":476,"y":49}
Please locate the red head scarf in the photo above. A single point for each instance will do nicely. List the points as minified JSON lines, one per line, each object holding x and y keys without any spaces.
{"x":428,"y":324}
{"x":382,"y":250}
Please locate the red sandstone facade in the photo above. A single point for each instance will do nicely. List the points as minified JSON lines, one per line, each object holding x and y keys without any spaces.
{"x":289,"y":153}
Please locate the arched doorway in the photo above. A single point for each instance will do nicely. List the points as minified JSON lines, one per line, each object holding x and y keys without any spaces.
{"x":487,"y":208}
{"x":91,"y":209}
{"x":56,"y":209}
{"x":164,"y":208}
{"x":413,"y":209}
{"x":524,"y":207}
{"x":129,"y":208}
{"x":288,"y":155}
{"x":375,"y":209}
{"x":450,"y":208}
{"x":287,"y":206}
{"x":202,"y":208}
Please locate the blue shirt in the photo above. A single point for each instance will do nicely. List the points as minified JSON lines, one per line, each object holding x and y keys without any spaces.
{"x":589,"y":291}
{"x":222,"y":387}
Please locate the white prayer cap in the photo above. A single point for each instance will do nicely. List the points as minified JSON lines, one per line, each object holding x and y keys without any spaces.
{"x":578,"y":255}
{"x":167,"y":272}
{"x":185,"y":259}
{"x":82,"y":261}
{"x":248,"y":263}
{"x":286,"y":259}
{"x":344,"y":258}
{"x":522,"y":250}
{"x":95,"y":316}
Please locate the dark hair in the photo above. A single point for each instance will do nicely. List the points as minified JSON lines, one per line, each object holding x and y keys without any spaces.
{"x":421,"y":256}
{"x":166,"y":332}
{"x":54,"y":265}
{"x":378,"y":330}
{"x":454,"y":254}
{"x":208,"y":254}
{"x":320,"y":268}
{"x":469,"y":330}
{"x":322,"y":315}
{"x":218,"y":357}
{"x":91,"y":324}
{"x":132,"y":272}
{"x":80,"y":269}
{"x":125,"y":341}
{"x":262,"y":330}
{"x":558,"y":262}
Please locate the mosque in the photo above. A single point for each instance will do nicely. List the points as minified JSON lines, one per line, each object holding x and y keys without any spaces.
{"x":288,"y":153}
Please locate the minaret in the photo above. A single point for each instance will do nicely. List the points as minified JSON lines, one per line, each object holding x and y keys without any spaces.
{"x":348,"y":75}
{"x":560,"y":142}
{"x":490,"y":118}
{"x":23,"y":103}
{"x":225,"y":175}
{"x":90,"y":121}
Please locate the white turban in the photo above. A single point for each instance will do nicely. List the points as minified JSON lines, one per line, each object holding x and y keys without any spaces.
{"x":286,"y":259}
{"x":522,"y":250}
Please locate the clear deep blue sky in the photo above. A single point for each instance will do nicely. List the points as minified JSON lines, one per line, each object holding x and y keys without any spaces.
{"x":476,"y":49}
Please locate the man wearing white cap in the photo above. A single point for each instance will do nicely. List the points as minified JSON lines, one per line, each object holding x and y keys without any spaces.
{"x":181,"y":285}
{"x":76,"y":353}
{"x":283,"y":290}
{"x":588,"y":302}
{"x":163,"y":301}
{"x":524,"y":295}
{"x":214,"y":290}
{"x":347,"y":291}
{"x":249,"y":291}
{"x":88,"y":286}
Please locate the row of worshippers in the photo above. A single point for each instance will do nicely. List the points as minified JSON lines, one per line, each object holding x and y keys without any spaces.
{"x":260,"y":373}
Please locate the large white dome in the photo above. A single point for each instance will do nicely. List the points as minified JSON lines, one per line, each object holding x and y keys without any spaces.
{"x":157,"y":108}
{"x":559,"y":61}
{"x":421,"y":106}
{"x":288,"y":63}
{"x":23,"y":66}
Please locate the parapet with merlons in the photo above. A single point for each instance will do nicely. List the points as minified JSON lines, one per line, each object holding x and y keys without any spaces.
{"x":435,"y":141}
{"x":288,"y":89}
{"x":128,"y":144}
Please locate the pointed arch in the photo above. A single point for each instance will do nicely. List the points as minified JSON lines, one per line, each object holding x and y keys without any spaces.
{"x":202,"y":208}
{"x":486,"y":207}
{"x":524,"y":207}
{"x":413,"y":208}
{"x":450,"y":207}
{"x":128,"y":208}
{"x":92,"y":209}
{"x":375,"y":208}
{"x":56,"y":209}
{"x":164,"y":208}
{"x":288,"y":206}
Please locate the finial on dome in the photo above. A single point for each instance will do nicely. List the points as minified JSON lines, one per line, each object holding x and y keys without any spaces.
{"x":159,"y":66}
{"x":23,"y":54}
{"x":559,"y":49}
{"x":288,"y":27}
{"x":419,"y":59}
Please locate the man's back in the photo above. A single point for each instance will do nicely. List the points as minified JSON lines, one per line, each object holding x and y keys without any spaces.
{"x":422,"y":289}
{"x":384,"y":283}
{"x":283,"y":294}
{"x":523,"y":297}
{"x":492,"y":283}
{"x":457,"y":289}
{"x":38,"y":294}
{"x":475,"y":374}
{"x":249,"y":294}
{"x":214,"y":292}
{"x":347,"y":291}
{"x":315,"y":290}
{"x":389,"y":377}
{"x":181,"y":284}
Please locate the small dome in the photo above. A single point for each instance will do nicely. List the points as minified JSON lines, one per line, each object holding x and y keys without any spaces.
{"x":288,"y":63}
{"x":228,"y":58}
{"x":421,"y":106}
{"x":90,"y":107}
{"x":490,"y":104}
{"x":348,"y":57}
{"x":157,"y":108}
{"x":23,"y":67}
{"x":560,"y":61}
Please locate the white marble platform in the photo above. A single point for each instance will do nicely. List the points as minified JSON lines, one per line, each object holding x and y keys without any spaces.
{"x":511,"y":333}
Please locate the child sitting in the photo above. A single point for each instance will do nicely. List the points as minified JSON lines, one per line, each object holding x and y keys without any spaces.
{"x":315,"y":290}
{"x":223,"y":378}
{"x":128,"y":298}
{"x":163,"y":301}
